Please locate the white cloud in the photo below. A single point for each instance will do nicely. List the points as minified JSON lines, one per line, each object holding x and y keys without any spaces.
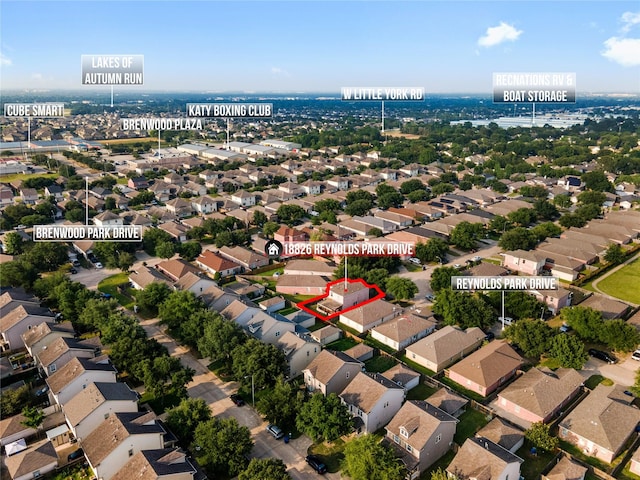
{"x":625,"y":51}
{"x":4,"y":60}
{"x":277,"y":71}
{"x":629,"y":19}
{"x":500,"y":34}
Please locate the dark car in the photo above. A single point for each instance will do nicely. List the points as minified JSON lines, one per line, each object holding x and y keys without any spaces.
{"x":75,"y":455}
{"x":600,"y":355}
{"x":317,"y":464}
{"x":73,"y":271}
{"x":489,"y":336}
{"x":237,"y":399}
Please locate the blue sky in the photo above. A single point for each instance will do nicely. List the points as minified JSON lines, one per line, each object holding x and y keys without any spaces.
{"x":312,"y":46}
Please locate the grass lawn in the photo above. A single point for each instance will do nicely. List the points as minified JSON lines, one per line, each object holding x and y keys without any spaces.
{"x":380,"y":364}
{"x":470,"y":422}
{"x":626,"y":474}
{"x":269,"y":273}
{"x":594,"y":380}
{"x":416,"y":367}
{"x":330,"y":453}
{"x":159,"y":405}
{"x":533,"y":464}
{"x":24,"y":176}
{"x":318,"y":325}
{"x":623,"y":284}
{"x":551,"y":363}
{"x":442,"y":463}
{"x":220,"y":369}
{"x":372,"y":342}
{"x":287,"y":311}
{"x":74,"y":472}
{"x":576,"y":452}
{"x":343,"y":344}
{"x":421,"y":392}
{"x":459,"y":388}
{"x":110,"y":285}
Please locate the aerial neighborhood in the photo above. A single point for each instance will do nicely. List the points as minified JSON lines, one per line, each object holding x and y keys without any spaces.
{"x":200,"y":352}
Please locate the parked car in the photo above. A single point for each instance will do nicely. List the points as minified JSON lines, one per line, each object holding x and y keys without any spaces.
{"x":275,"y":431}
{"x":237,"y":399}
{"x":489,"y":336}
{"x":636,"y":355}
{"x":601,"y":355}
{"x":73,"y":271}
{"x":98,"y":265}
{"x":565,"y":328}
{"x":76,"y":454}
{"x":76,"y":263}
{"x":317,"y":464}
{"x":415,"y":261}
{"x":476,"y":259}
{"x":430,"y":297}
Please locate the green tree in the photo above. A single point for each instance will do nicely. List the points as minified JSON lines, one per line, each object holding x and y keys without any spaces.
{"x":568,"y":350}
{"x":220,"y":337}
{"x":597,"y":181}
{"x":635,"y":388}
{"x":165,"y":250}
{"x":290,"y":213}
{"x":365,"y":458}
{"x":391,"y":199}
{"x":441,"y":474}
{"x":165,"y":376}
{"x":418,"y":196}
{"x":358,"y":208}
{"x":587,"y":322}
{"x":463,"y":309}
{"x":375,"y":232}
{"x":466,"y":234}
{"x":269,"y":229}
{"x":178,"y":307}
{"x":281,"y":404}
{"x":401,"y":288}
{"x":33,"y":417}
{"x":12,"y":401}
{"x":126,"y":261}
{"x":545,"y":230}
{"x":538,"y":434}
{"x":441,"y":278}
{"x":151,"y":296}
{"x":259,"y":218}
{"x":412,"y":186}
{"x":190,"y":250}
{"x":185,"y":417}
{"x":620,"y":336}
{"x":265,"y":469}
{"x":589,"y":197}
{"x":222,"y":446}
{"x":152,"y":237}
{"x":614,"y":254}
{"x":324,"y":418}
{"x":46,"y":256}
{"x":532,"y":336}
{"x":518,"y":238}
{"x":262,"y":361}
{"x":18,"y":273}
{"x":14,"y":243}
{"x":432,"y":250}
{"x":562,"y":201}
{"x":545,"y":209}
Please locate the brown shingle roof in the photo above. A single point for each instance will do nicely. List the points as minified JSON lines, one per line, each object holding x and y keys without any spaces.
{"x":365,"y":390}
{"x":404,"y":327}
{"x":481,"y":459}
{"x":38,"y":332}
{"x":61,"y":345}
{"x":370,"y":312}
{"x":72,"y":370}
{"x":31,"y":460}
{"x":327,"y":364}
{"x":448,"y":401}
{"x":400,"y":374}
{"x":501,"y":433}
{"x":420,"y":420}
{"x":446,"y":343}
{"x":152,"y":464}
{"x":566,"y":469}
{"x":216,"y":262}
{"x":90,"y":398}
{"x":488,"y":365}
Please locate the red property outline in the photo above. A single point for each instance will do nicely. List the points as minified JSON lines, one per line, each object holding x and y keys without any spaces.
{"x":303,"y":305}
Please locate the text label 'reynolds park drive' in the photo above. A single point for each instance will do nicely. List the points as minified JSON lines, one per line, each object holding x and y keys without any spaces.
{"x":112,"y":69}
{"x":350,"y":249}
{"x":230,"y":110}
{"x":510,"y":282}
{"x":386,"y":94}
{"x":534,"y":87}
{"x":71,"y":233}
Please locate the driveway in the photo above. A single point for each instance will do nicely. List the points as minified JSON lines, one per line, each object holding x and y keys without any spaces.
{"x":90,"y":277}
{"x":622,"y":373}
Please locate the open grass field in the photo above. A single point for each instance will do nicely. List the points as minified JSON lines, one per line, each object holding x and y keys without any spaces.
{"x":110,"y":285}
{"x":119,"y":141}
{"x":623,"y":284}
{"x":24,"y":176}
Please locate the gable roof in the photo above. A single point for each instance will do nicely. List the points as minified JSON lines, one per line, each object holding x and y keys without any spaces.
{"x":152,"y":464}
{"x":420,"y":420}
{"x":404,"y":327}
{"x":366,"y":389}
{"x":31,"y":460}
{"x":488,"y":365}
{"x":115,"y":430}
{"x":603,"y":419}
{"x":176,"y":268}
{"x":40,"y":331}
{"x":328,"y":363}
{"x":566,"y":469}
{"x":446,"y":343}
{"x":20,"y":312}
{"x":501,"y":433}
{"x":447,"y":400}
{"x":12,"y":425}
{"x":541,"y":393}
{"x":370,"y":312}
{"x":61,"y":345}
{"x":216,"y":262}
{"x":481,"y":459}
{"x":73,"y":369}
{"x":90,"y":398}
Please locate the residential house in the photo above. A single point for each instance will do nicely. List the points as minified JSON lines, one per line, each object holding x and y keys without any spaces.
{"x":53,"y":191}
{"x":204,"y":205}
{"x":486,"y":369}
{"x":38,"y":337}
{"x":177,"y":231}
{"x":176,"y":269}
{"x":566,"y":469}
{"x":138,"y":183}
{"x":243,"y":198}
{"x":330,"y":372}
{"x":420,"y":434}
{"x":480,"y":458}
{"x":308,"y":267}
{"x":302,"y":284}
{"x":36,"y":461}
{"x":268,"y":329}
{"x":344,"y":295}
{"x":523,"y":261}
{"x":107,"y":218}
{"x":13,"y":429}
{"x":29,"y":196}
{"x":609,"y":307}
{"x":179,"y":207}
{"x":602,"y":423}
{"x":19,"y":320}
{"x":273,"y":304}
{"x":634,"y":464}
{"x":299,"y":350}
{"x":372,"y":400}
{"x":248,"y":259}
{"x":89,"y":407}
{"x":127,"y":434}
{"x":143,"y":276}
{"x":77,"y":374}
{"x":240,"y":311}
{"x":403,"y":331}
{"x":370,"y":315}
{"x":502,"y":433}
{"x":555,"y":299}
{"x":340,"y":183}
{"x":6,"y":196}
{"x":62,"y":350}
{"x":444,"y":347}
{"x":159,"y":464}
{"x":214,"y":263}
{"x":196,"y":284}
{"x":538,"y":396}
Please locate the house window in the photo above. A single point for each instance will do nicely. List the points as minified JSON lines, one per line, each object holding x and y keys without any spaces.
{"x":438,"y":438}
{"x":131,"y":452}
{"x":106,"y":415}
{"x":396,"y":439}
{"x":307,"y":353}
{"x":36,"y":474}
{"x":52,"y":367}
{"x":409,"y":449}
{"x":403,"y":432}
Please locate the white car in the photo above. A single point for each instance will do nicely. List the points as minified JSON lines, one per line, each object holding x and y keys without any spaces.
{"x":98,"y":265}
{"x":476,"y":259}
{"x":415,"y":261}
{"x":636,"y":355}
